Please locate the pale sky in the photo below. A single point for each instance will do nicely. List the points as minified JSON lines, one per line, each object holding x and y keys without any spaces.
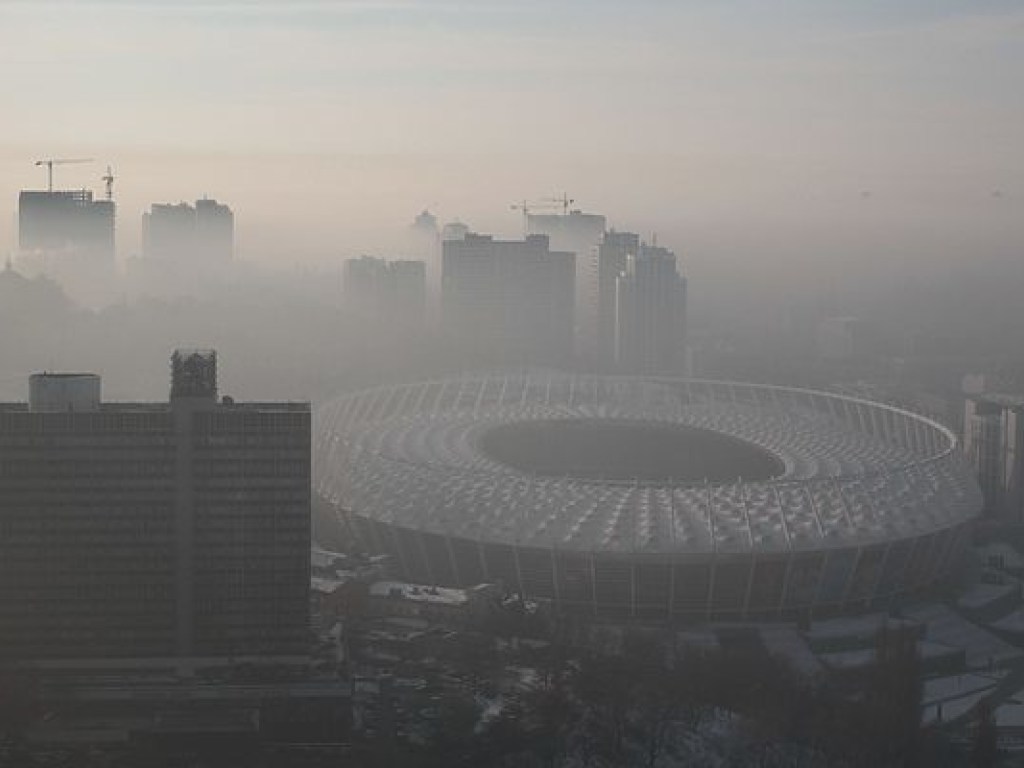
{"x":777,"y":111}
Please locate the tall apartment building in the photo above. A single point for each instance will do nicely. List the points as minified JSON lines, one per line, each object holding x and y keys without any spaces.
{"x":425,"y":245}
{"x":579,"y":233}
{"x":650,"y":314}
{"x":203,"y":234}
{"x":66,"y":223}
{"x":138,"y":532}
{"x":612,"y":257}
{"x":513,"y":298}
{"x":994,"y":445}
{"x":68,"y":236}
{"x":385,"y":290}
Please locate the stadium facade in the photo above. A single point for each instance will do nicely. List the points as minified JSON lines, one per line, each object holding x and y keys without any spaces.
{"x":867,"y":503}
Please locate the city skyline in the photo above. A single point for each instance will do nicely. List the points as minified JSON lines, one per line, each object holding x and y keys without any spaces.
{"x":843,"y":126}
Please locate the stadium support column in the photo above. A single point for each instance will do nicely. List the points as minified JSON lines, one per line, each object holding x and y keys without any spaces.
{"x":554,"y":578}
{"x":750,"y":585}
{"x":519,"y":570}
{"x":850,"y":577}
{"x":455,"y":566}
{"x":483,"y":561}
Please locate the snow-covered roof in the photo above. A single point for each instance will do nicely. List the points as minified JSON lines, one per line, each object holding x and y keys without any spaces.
{"x":419,"y":593}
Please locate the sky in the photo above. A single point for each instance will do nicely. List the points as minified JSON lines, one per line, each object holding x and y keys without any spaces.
{"x":325,"y":124}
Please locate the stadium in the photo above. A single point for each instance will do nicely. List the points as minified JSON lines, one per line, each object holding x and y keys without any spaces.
{"x":649,"y":499}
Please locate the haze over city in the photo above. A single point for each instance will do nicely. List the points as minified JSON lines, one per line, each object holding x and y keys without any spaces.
{"x":576,"y":384}
{"x":677,"y":117}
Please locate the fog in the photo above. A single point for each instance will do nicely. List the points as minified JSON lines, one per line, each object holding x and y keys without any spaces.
{"x":592,"y":382}
{"x":802,"y":162}
{"x":769,"y":245}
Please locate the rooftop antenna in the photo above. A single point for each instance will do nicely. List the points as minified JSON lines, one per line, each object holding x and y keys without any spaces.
{"x":108,"y":180}
{"x":50,"y":162}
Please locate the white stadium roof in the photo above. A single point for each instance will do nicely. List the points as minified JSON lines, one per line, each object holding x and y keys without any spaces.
{"x":857,"y":472}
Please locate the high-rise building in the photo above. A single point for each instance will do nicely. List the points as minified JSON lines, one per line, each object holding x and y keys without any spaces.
{"x":153,"y":533}
{"x":381,"y":290}
{"x":650,"y":314}
{"x":994,"y":446}
{"x":215,"y":231}
{"x":579,"y":233}
{"x":425,"y":245}
{"x":510,"y":297}
{"x":202,"y":234}
{"x":66,"y":223}
{"x":68,"y":236}
{"x":612,"y":256}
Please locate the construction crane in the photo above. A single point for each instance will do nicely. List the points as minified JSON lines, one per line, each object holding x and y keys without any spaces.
{"x":564,"y":201}
{"x":49,"y":163}
{"x":526,"y":206}
{"x":108,"y":181}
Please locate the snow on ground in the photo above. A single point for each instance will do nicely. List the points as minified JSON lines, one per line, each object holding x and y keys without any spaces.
{"x":1010,"y":714}
{"x":1012,"y":623}
{"x":981,"y":596}
{"x":955,"y":686}
{"x":846,"y":629}
{"x":949,"y":710}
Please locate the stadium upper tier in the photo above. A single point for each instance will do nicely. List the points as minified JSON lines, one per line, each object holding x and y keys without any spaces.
{"x":853,"y":473}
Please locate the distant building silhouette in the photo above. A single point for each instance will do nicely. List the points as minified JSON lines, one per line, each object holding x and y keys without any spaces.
{"x":579,"y":233}
{"x":203,"y":234}
{"x":69,"y":236}
{"x":650,"y":314}
{"x":385,"y":290}
{"x":612,"y":256}
{"x":66,"y":222}
{"x":509,"y":297}
{"x":425,"y":245}
{"x":173,"y":532}
{"x":994,"y":446}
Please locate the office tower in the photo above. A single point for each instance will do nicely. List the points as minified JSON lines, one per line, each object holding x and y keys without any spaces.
{"x":612,"y":256}
{"x":199,"y":235}
{"x":385,"y":290}
{"x":650,"y":314}
{"x":994,"y":446}
{"x":153,"y":533}
{"x":513,"y":298}
{"x":579,"y":233}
